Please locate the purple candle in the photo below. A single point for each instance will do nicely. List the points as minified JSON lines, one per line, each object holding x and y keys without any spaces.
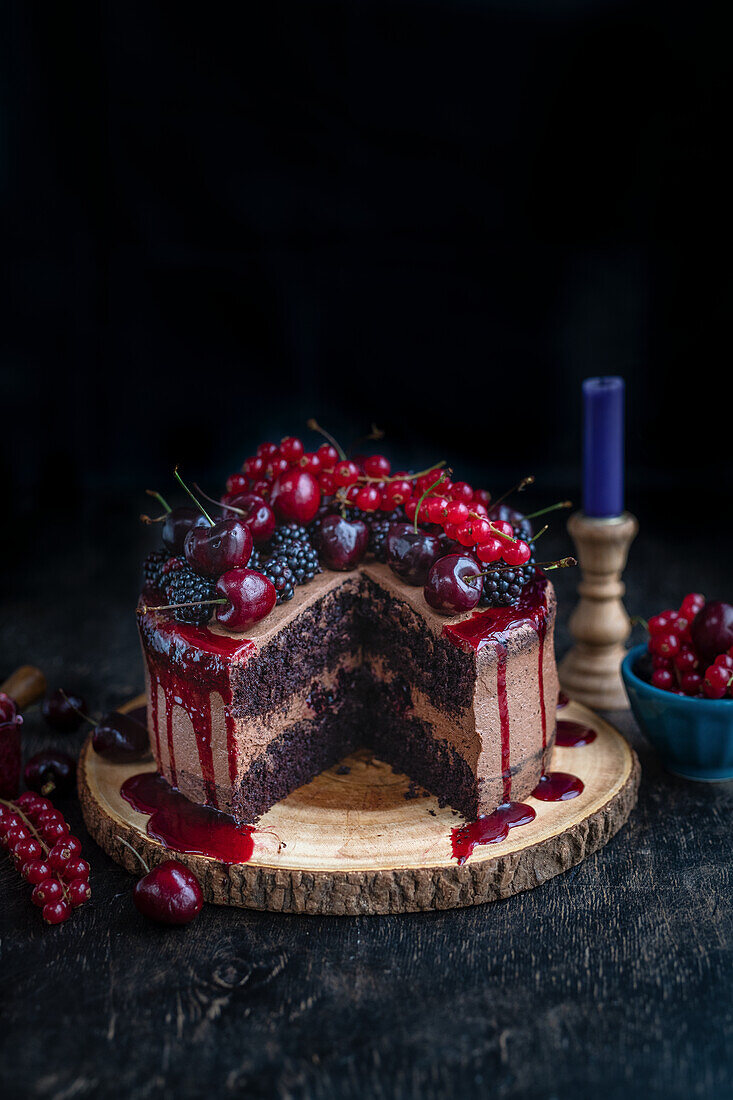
{"x":603,"y":447}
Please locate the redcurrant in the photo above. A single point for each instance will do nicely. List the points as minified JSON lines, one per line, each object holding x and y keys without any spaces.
{"x":291,"y":449}
{"x":663,"y":679}
{"x":377,"y":466}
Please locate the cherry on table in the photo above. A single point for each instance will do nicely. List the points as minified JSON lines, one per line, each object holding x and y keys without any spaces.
{"x":411,"y":553}
{"x":50,"y":770}
{"x":213,"y":549}
{"x":451,"y":587}
{"x":250,"y":597}
{"x":63,"y":711}
{"x":169,"y":894}
{"x":120,"y":738}
{"x":342,"y":542}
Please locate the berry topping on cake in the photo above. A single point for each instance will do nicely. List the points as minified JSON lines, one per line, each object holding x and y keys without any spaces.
{"x":181,"y":585}
{"x":279,"y":572}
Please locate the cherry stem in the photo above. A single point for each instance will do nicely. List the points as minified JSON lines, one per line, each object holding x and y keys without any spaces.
{"x":173,"y":606}
{"x":563,"y":563}
{"x":135,"y":853}
{"x":316,"y":427}
{"x":149,"y":520}
{"x":637,"y":620}
{"x":218,"y":503}
{"x":551,"y":508}
{"x":198,"y":503}
{"x":518,"y":488}
{"x":161,"y":499}
{"x":435,"y":484}
{"x":540,"y":532}
{"x":374,"y":436}
{"x":406,"y":477}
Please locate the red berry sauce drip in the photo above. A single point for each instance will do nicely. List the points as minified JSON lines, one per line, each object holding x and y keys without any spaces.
{"x":489,"y":829}
{"x":185,"y":826}
{"x":558,"y":787}
{"x":571,"y":735}
{"x":188,"y":663}
{"x":491,"y":627}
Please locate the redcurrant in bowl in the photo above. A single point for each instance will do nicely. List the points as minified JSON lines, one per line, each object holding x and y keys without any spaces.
{"x":694,"y":737}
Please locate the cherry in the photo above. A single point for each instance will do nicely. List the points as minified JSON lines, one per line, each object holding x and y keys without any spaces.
{"x":662,"y":678}
{"x":56,"y":912}
{"x":258,"y":515}
{"x":328,"y":456}
{"x":712,"y":630}
{"x":411,"y":553}
{"x":78,"y":891}
{"x":212,"y":550}
{"x":170,"y":894}
{"x":49,"y":890}
{"x":176,"y":526}
{"x":120,"y":738}
{"x":250,"y":597}
{"x":63,"y":711}
{"x":36,"y":870}
{"x":345,"y":472}
{"x":296,"y":496}
{"x":664,"y":645}
{"x":691,"y":605}
{"x":716,"y":682}
{"x":342,"y":542}
{"x":291,"y":449}
{"x":50,"y":771}
{"x":377,"y":466}
{"x":449,"y":589}
{"x":368,"y":498}
{"x":237,"y":483}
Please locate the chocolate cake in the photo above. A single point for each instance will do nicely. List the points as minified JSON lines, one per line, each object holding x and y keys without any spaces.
{"x":327,"y":604}
{"x":465,"y":708}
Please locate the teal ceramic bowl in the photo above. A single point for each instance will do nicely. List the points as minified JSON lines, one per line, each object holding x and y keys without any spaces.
{"x":694,"y":737}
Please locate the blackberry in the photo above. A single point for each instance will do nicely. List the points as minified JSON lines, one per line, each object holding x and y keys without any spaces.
{"x":378,"y":538}
{"x":182,"y":585}
{"x":254,"y":559}
{"x":302,"y":559}
{"x":279,"y":572}
{"x":284,"y":536}
{"x":503,"y":587}
{"x":153,"y":566}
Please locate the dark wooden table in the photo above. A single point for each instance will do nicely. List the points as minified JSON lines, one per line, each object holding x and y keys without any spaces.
{"x":612,"y":980}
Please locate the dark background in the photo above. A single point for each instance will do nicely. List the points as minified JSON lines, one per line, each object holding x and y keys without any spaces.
{"x":439,"y":217}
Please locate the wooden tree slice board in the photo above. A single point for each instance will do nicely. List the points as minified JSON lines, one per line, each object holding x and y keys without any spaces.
{"x":352,"y":843}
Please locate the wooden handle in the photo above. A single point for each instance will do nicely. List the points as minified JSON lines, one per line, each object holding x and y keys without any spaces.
{"x":25,"y":685}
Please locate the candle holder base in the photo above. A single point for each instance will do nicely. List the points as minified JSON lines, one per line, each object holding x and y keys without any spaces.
{"x":591,"y":671}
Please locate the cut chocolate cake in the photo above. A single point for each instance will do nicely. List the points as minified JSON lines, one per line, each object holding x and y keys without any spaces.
{"x":295,"y":668}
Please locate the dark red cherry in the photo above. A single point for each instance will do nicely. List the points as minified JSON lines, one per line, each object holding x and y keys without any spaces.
{"x":250,"y":597}
{"x":411,"y":553}
{"x":449,"y":588}
{"x":712,"y":630}
{"x":170,"y":894}
{"x":259,"y":516}
{"x":61,"y":711}
{"x":212,"y":550}
{"x":176,"y":526}
{"x":342,"y":542}
{"x":120,"y":738}
{"x":295,"y":496}
{"x":50,"y":771}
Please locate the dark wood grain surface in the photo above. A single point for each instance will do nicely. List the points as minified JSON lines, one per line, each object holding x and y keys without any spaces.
{"x":611,"y":981}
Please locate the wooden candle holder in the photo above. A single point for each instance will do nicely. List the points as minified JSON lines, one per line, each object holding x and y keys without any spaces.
{"x":591,"y":671}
